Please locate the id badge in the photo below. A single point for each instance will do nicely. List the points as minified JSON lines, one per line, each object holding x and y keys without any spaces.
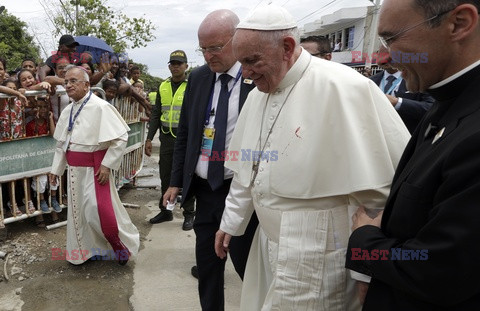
{"x":207,"y":141}
{"x":66,"y":143}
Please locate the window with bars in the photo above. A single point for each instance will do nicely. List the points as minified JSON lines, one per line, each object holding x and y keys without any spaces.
{"x":351,"y":37}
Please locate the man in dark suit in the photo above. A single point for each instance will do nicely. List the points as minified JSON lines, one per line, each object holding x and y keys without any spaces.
{"x":410,"y":106}
{"x":422,"y":253}
{"x":213,"y":98}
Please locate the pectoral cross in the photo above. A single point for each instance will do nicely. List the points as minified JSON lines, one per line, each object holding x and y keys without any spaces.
{"x":255,"y":166}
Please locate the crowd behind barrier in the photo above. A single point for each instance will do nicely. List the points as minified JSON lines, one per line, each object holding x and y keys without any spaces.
{"x":24,"y":160}
{"x":367,"y":71}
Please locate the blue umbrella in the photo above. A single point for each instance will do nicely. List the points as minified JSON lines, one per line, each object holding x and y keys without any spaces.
{"x":93,"y":45}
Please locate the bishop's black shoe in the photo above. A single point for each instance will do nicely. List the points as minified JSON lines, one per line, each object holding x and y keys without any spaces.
{"x":188,"y":223}
{"x":123,"y":257}
{"x":162,"y":217}
{"x":194,"y":272}
{"x":122,"y":253}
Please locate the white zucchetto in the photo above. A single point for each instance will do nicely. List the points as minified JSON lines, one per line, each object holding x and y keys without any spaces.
{"x":269,"y":17}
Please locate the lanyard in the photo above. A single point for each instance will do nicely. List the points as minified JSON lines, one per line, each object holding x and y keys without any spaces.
{"x":209,"y":111}
{"x":72,"y":121}
{"x":256,"y":163}
{"x":394,"y":85}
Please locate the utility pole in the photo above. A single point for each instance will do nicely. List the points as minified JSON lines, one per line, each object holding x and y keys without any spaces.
{"x":76,"y":17}
{"x":373,"y":34}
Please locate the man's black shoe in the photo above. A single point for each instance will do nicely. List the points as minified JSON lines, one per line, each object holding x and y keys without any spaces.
{"x":194,"y":272}
{"x":162,"y":217}
{"x":188,"y":223}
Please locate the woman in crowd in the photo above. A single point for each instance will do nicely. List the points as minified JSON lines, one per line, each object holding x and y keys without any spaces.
{"x":3,"y":68}
{"x":60,"y":99}
{"x":12,"y":126}
{"x":30,"y":64}
{"x":88,"y":68}
{"x":11,"y":112}
{"x":118,"y":72}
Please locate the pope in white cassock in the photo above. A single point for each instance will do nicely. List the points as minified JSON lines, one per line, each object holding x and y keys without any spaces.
{"x":328,"y":141}
{"x":91,"y":137}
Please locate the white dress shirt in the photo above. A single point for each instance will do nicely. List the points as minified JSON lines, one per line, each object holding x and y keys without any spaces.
{"x":202,"y":165}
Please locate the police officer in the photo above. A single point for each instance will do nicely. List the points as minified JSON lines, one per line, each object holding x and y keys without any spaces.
{"x":165,"y":115}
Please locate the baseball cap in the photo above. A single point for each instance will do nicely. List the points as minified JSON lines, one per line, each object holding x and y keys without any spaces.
{"x":67,"y":40}
{"x":179,"y":56}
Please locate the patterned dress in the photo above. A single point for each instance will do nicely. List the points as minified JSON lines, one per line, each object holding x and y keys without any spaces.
{"x":11,"y":120}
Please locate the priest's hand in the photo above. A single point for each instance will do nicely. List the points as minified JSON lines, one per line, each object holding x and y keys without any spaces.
{"x":222,"y":240}
{"x":360,"y":219}
{"x":170,"y":195}
{"x":362,"y":289}
{"x":102,"y":175}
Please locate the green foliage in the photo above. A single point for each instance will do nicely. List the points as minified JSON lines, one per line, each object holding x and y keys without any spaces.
{"x":15,"y":43}
{"x":96,"y":18}
{"x":151,"y":83}
{"x":190,"y":70}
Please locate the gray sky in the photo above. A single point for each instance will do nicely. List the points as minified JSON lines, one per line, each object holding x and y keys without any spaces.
{"x":176,"y":22}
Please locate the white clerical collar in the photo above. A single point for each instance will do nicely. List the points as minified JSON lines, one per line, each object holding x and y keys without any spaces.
{"x":233,"y":71}
{"x":81,"y":99}
{"x":453,"y":77}
{"x":297,"y":70}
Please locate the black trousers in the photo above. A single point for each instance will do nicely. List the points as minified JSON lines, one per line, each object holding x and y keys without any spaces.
{"x":167,"y":143}
{"x":210,"y":206}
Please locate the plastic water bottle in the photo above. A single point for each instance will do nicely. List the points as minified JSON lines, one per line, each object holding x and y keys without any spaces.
{"x":171,"y":205}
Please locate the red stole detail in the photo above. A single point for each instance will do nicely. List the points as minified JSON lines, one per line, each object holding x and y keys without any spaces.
{"x":106,"y":213}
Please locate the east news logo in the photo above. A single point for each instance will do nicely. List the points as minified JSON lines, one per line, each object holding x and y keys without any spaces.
{"x":389,"y":254}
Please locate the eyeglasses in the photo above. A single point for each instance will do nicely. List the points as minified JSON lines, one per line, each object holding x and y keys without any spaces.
{"x":386,"y":42}
{"x":215,"y":50}
{"x":73,"y":81}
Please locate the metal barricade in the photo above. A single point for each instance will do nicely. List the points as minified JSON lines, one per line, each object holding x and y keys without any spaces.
{"x":25,"y":160}
{"x":132,"y":162}
{"x":43,"y":93}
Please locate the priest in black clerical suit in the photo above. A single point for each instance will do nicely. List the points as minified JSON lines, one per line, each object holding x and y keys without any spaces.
{"x":430,"y":229}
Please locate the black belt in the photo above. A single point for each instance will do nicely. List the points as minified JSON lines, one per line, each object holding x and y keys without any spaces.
{"x":203,"y":181}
